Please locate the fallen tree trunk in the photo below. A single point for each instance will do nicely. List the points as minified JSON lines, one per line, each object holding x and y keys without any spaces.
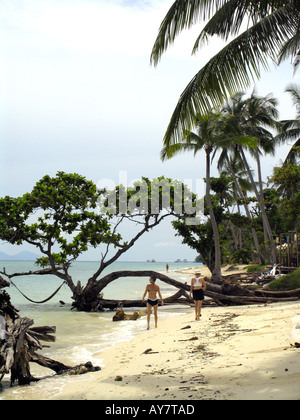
{"x":105,"y":281}
{"x":247,"y":300}
{"x":114,"y":304}
{"x":225,"y":294}
{"x":219,"y":298}
{"x":278,"y":294}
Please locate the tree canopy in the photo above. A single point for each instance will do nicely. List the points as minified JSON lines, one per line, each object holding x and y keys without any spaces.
{"x":65,"y":215}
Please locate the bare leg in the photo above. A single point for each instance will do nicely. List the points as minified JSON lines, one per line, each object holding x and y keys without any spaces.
{"x":198,"y":305}
{"x":196,"y":308}
{"x":155,"y":314}
{"x":149,"y":311}
{"x":199,"y":308}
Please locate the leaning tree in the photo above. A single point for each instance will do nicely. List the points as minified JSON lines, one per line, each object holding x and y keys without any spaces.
{"x":65,"y":215}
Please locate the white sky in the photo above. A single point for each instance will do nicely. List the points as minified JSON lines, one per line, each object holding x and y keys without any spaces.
{"x":78,"y":94}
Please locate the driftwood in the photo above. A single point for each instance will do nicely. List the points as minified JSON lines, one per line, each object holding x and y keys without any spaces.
{"x":120,"y":315}
{"x":114,"y":304}
{"x":279,"y":294}
{"x":19,"y":343}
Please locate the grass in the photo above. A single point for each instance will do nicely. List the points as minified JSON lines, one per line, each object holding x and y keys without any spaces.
{"x":253,"y":268}
{"x":290,"y":281}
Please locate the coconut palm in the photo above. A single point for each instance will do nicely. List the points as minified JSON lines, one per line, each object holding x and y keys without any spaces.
{"x":231,"y":163}
{"x":209,"y":137}
{"x":262,"y":114}
{"x":248,"y":117}
{"x":272,"y":33}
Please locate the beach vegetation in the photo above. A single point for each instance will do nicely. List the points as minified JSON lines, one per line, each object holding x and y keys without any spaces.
{"x":287,"y":282}
{"x":255,"y":33}
{"x":250,"y":117}
{"x":255,"y":267}
{"x":238,"y":127}
{"x":242,"y":256}
{"x":272,"y":209}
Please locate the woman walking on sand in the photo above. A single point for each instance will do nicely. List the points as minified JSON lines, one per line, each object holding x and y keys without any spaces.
{"x":152,"y":301}
{"x":198,"y":286}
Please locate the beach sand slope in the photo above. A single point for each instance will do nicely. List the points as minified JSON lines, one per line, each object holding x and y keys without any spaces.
{"x":231,"y":353}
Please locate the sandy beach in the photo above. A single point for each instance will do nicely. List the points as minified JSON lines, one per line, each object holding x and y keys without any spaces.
{"x":232,"y":353}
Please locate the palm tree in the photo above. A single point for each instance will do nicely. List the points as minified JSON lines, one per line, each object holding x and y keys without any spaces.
{"x":262,"y":114}
{"x":272,"y":33}
{"x":248,"y":117}
{"x":205,"y":139}
{"x":290,"y":129}
{"x":232,"y":164}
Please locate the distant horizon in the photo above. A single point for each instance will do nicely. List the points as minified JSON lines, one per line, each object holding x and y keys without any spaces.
{"x":14,"y":258}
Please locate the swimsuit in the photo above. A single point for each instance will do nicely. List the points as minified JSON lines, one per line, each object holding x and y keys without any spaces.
{"x":198,"y":283}
{"x":152,"y":302}
{"x":198,"y":294}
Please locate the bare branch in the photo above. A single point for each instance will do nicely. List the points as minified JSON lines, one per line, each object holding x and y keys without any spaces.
{"x":45,"y":271}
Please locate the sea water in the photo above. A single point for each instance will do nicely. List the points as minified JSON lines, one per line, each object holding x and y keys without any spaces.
{"x":80,"y":336}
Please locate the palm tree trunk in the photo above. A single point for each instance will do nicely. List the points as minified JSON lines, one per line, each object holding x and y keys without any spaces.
{"x":262,"y":208}
{"x":241,"y":195}
{"x":260,"y":184}
{"x":239,"y":230}
{"x":216,"y":274}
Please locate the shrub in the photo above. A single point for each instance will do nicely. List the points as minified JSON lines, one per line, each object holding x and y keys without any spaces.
{"x":242,"y":256}
{"x":290,"y":281}
{"x":253,"y":268}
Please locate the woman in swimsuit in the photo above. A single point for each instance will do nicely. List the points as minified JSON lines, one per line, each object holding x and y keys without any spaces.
{"x":198,"y":286}
{"x":152,"y":301}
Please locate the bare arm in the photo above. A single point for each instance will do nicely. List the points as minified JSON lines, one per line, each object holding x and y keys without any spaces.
{"x":145,"y":294}
{"x":160,"y":296}
{"x":192,"y":287}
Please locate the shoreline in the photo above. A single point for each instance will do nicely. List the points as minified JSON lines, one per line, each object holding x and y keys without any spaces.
{"x":231,"y":353}
{"x":227,"y":270}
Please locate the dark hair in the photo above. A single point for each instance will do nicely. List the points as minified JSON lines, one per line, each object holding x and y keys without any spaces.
{"x":153,"y":278}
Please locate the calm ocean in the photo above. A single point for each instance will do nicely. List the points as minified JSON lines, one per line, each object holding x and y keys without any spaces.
{"x":80,"y":337}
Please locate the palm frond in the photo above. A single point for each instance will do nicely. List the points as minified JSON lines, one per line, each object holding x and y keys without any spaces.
{"x":291,"y":134}
{"x":175,"y":149}
{"x":289,"y":49}
{"x":225,"y":22}
{"x":294,"y":91}
{"x":228,"y":72}
{"x":293,"y":157}
{"x":240,"y":140}
{"x":182,"y":15}
{"x":230,"y":17}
